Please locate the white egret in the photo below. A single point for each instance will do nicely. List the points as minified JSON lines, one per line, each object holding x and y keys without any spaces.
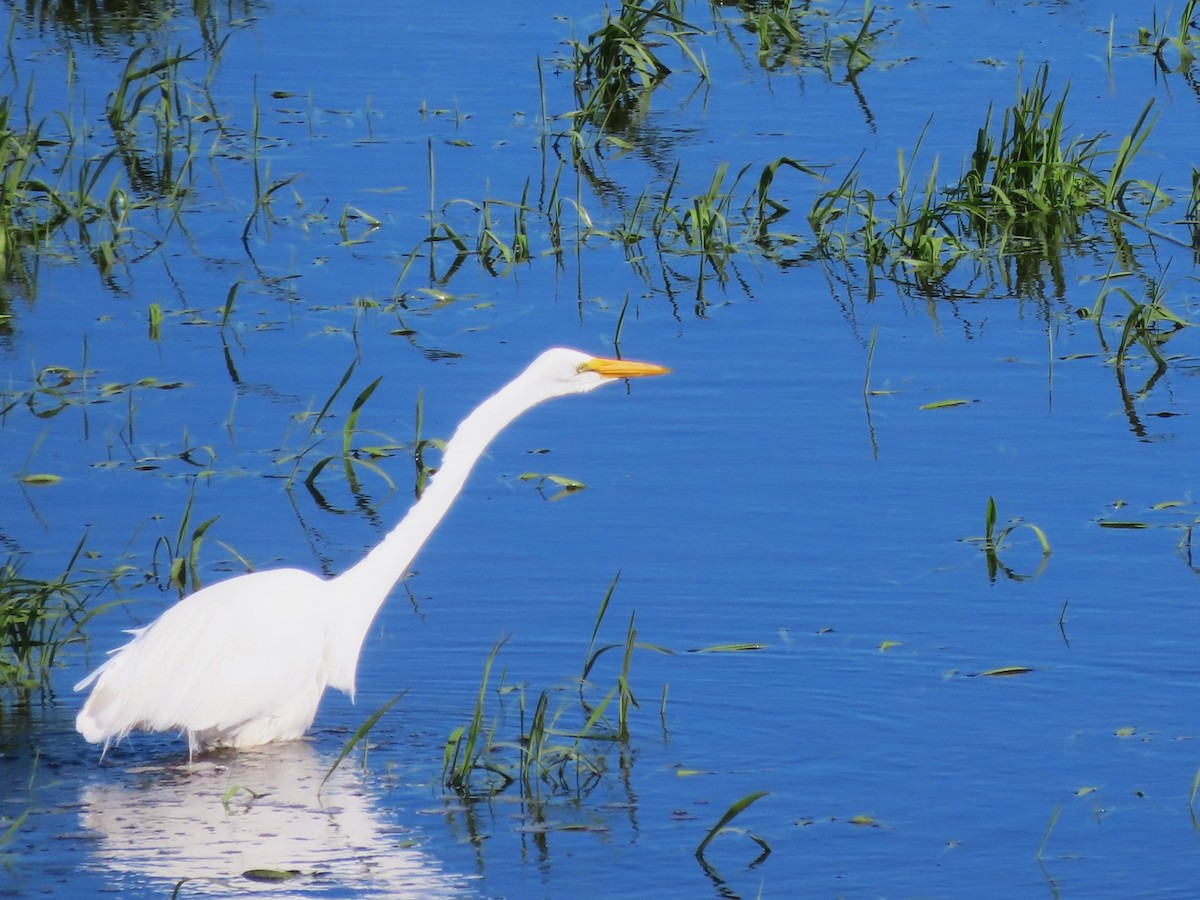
{"x":245,"y":661}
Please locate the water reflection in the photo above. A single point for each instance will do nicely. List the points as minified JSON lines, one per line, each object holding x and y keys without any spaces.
{"x":213,"y":821}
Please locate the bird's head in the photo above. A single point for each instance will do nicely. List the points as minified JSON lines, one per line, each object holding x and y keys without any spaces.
{"x":562,"y":371}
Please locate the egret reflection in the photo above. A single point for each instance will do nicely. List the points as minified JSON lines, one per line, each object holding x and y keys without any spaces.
{"x":237,"y":822}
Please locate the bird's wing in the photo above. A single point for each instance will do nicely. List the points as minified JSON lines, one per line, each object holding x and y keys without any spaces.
{"x":233,"y":652}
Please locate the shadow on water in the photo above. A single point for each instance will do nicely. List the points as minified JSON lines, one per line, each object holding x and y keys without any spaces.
{"x":251,"y":822}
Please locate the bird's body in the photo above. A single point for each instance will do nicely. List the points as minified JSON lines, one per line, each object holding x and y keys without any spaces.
{"x":245,"y":661}
{"x":239,"y":663}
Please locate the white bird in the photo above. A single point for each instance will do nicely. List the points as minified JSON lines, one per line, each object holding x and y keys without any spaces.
{"x":245,"y":661}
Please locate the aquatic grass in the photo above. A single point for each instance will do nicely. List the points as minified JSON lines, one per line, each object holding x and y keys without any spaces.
{"x":780,"y":29}
{"x":183,"y":553}
{"x":1149,"y":322}
{"x":439,"y":232}
{"x":993,"y":541}
{"x":1184,"y":38}
{"x":476,"y":764}
{"x":552,"y":758}
{"x":1033,"y":179}
{"x":622,"y":690}
{"x":790,"y":34}
{"x":57,"y":173}
{"x":13,"y":827}
{"x":1022,"y":195}
{"x":1150,"y":325}
{"x":711,"y":226}
{"x":1054,"y":814}
{"x":858,"y":57}
{"x":491,"y":247}
{"x":466,"y":747}
{"x":566,"y":486}
{"x":767,"y":209}
{"x":150,"y":91}
{"x":1192,"y":216}
{"x":358,"y":737}
{"x":617,"y":68}
{"x":922,"y":238}
{"x":39,"y":199}
{"x":20,"y":227}
{"x":548,"y":755}
{"x":350,"y":455}
{"x":420,"y":445}
{"x":38,"y":617}
{"x":1031,"y":165}
{"x":722,"y":827}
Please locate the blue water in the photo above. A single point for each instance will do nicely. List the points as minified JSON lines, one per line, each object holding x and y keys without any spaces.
{"x":754,"y":496}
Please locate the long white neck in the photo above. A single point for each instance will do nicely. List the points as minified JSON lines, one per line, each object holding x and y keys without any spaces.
{"x":363,"y":588}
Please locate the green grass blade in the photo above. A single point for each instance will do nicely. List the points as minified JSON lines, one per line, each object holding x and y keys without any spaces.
{"x":732,"y":813}
{"x":358,"y":735}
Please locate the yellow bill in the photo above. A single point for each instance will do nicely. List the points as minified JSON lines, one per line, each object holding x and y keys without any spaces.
{"x":622,"y":368}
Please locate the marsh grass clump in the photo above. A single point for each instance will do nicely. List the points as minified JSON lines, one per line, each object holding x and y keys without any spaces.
{"x":1033,"y":179}
{"x":560,"y":749}
{"x":110,"y":194}
{"x":1184,"y":38}
{"x":352,"y":453}
{"x":618,"y":66}
{"x":20,"y":225}
{"x":38,"y":617}
{"x":1023,"y":194}
{"x":547,"y":756}
{"x":45,"y":187}
{"x":147,"y":112}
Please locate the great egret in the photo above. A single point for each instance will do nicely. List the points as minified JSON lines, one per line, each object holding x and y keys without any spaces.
{"x":245,"y":661}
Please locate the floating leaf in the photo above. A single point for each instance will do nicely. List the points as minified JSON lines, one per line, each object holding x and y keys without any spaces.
{"x":728,"y":648}
{"x":272,"y":874}
{"x":1167,"y":504}
{"x":1113,"y":523}
{"x":864,"y":821}
{"x":884,"y":646}
{"x":41,"y":478}
{"x":946,"y":404}
{"x":1127,"y":731}
{"x":562,"y":481}
{"x":1005,"y":671}
{"x":365,"y":216}
{"x":1084,"y":791}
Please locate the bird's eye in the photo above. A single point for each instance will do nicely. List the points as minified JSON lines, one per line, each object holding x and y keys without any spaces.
{"x":581,"y":368}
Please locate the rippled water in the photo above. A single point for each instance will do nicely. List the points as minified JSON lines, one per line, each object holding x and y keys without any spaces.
{"x":756,"y":496}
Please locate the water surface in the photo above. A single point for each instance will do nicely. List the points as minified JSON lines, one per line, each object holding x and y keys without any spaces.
{"x":754,"y":497}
